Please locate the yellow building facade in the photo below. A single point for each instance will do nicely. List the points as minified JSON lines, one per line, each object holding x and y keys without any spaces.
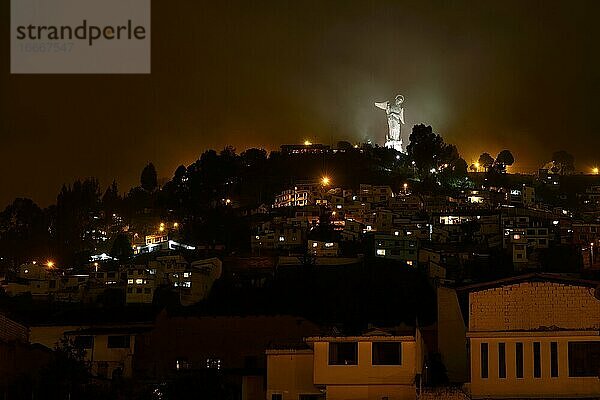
{"x":535,"y":337}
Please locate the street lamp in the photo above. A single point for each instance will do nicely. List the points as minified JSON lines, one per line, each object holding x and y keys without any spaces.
{"x":595,"y":170}
{"x":325,"y":181}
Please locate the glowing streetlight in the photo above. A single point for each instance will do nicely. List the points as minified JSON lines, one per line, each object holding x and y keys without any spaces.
{"x":325,"y":181}
{"x":595,"y":170}
{"x":176,"y":225}
{"x":50,"y":264}
{"x":405,"y":186}
{"x":161,"y":228}
{"x":477,"y":166}
{"x":307,"y":142}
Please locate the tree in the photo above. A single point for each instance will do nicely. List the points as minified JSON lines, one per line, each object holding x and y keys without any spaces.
{"x":111,"y":198}
{"x":67,"y":374}
{"x":148,"y":178}
{"x":344,"y":145}
{"x":121,"y":248}
{"x":486,"y":160}
{"x":505,"y":158}
{"x":564,"y":161}
{"x":75,"y":204}
{"x":425,"y":146}
{"x":428,"y":151}
{"x":180,"y":175}
{"x":23,"y":231}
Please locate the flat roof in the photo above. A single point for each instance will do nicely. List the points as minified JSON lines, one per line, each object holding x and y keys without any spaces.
{"x":532,"y":277}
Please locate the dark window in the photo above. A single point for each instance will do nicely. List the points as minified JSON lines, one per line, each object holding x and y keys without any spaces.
{"x":484,"y":360}
{"x":138,"y":290}
{"x":276,"y":396}
{"x":147,"y":290}
{"x":129,"y":290}
{"x":343,"y":353}
{"x":52,"y":284}
{"x":584,"y":358}
{"x":537,"y":362}
{"x":501,"y":360}
{"x":553,"y":359}
{"x":84,"y":342}
{"x":118,"y":342}
{"x":519,"y":359}
{"x":387,"y":353}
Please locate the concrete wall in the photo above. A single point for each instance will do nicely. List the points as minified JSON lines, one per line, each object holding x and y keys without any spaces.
{"x":528,"y":386}
{"x":49,"y":336}
{"x":452,"y":343}
{"x":364,"y":373}
{"x":11,"y":330}
{"x":290,"y":373}
{"x":363,"y":392}
{"x":531,"y":305}
{"x":114,"y":357}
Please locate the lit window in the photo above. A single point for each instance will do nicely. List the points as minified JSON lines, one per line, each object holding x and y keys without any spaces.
{"x":517,"y":237}
{"x":139,"y":281}
{"x":282,"y":238}
{"x":315,"y":244}
{"x":182,"y":364}
{"x":396,"y":233}
{"x":328,"y":244}
{"x":186,"y":274}
{"x":409,"y":262}
{"x":213,"y":363}
{"x":130,"y":281}
{"x":257,"y":237}
{"x":381,"y":252}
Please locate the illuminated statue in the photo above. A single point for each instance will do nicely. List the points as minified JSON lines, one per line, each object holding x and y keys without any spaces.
{"x":395,"y":115}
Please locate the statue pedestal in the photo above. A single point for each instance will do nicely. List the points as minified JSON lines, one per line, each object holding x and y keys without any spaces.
{"x":395,"y":144}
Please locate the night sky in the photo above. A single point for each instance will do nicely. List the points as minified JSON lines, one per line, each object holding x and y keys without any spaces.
{"x":487,"y":75}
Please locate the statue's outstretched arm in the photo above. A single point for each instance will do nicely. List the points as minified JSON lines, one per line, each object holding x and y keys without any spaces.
{"x":383,"y":105}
